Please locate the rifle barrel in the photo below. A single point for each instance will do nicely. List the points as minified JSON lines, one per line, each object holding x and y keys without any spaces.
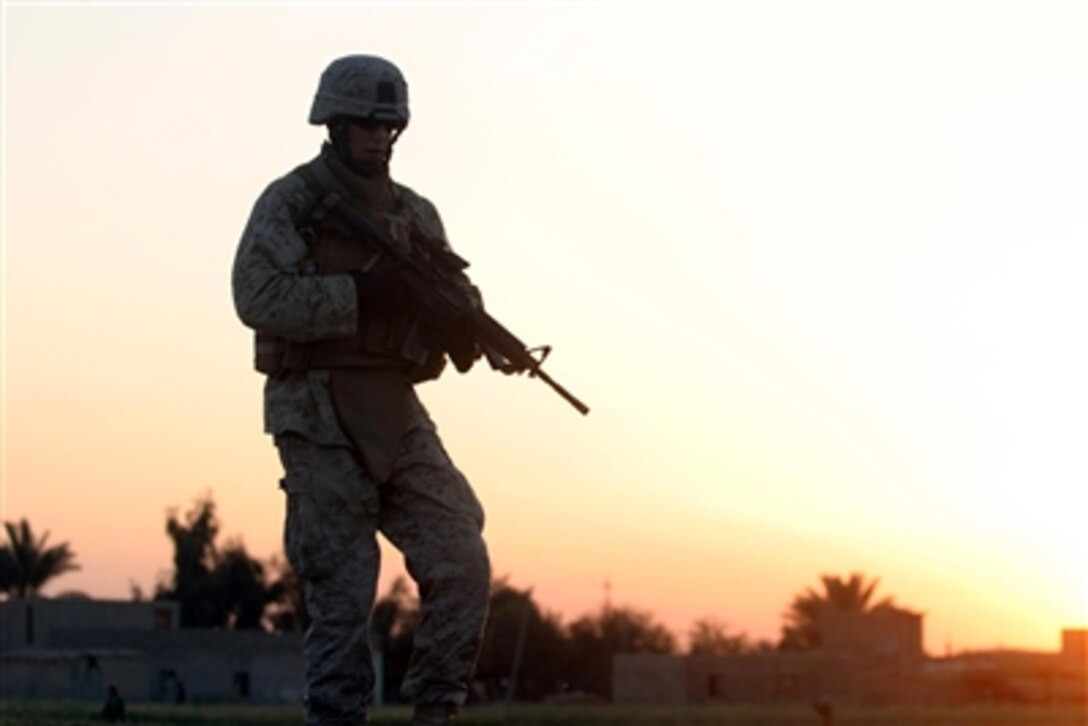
{"x":570,"y":398}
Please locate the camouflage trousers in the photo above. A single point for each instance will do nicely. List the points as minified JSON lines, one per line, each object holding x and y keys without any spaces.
{"x":428,"y":511}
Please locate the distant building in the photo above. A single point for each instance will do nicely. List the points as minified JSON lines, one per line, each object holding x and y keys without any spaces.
{"x":33,"y":622}
{"x":1075,"y":645}
{"x":1014,"y":675}
{"x":871,"y":658}
{"x":77,"y":648}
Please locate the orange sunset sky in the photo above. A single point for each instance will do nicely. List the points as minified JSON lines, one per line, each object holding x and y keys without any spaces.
{"x":818,"y":268}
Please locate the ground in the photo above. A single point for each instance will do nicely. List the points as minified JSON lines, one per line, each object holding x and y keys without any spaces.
{"x":75,"y":713}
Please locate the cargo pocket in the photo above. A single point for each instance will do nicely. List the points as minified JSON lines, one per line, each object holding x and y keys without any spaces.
{"x":307,"y":542}
{"x":427,"y":473}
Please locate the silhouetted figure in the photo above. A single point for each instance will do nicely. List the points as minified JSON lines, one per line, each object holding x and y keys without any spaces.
{"x":825,"y":711}
{"x":114,"y":709}
{"x":343,"y":335}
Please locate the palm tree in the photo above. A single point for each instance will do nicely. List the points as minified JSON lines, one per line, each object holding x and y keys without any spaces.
{"x":26,"y":563}
{"x":803,"y":629}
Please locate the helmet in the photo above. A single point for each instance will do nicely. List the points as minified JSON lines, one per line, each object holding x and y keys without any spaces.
{"x":361,"y":86}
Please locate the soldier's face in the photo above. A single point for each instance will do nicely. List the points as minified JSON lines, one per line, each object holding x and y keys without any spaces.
{"x":370,"y":142}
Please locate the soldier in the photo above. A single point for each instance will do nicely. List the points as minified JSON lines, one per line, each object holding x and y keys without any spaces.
{"x":342,"y":344}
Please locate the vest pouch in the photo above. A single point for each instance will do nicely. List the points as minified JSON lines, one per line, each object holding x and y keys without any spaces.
{"x":268,"y":353}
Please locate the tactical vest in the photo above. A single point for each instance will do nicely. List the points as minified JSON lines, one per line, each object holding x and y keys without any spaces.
{"x":384,"y":340}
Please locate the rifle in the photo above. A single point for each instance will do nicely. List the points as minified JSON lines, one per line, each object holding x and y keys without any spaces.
{"x":442,"y":298}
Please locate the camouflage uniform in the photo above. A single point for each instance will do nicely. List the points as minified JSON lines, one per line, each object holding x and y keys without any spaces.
{"x":343,"y":486}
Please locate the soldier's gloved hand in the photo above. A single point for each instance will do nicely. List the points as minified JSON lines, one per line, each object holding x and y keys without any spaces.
{"x":501,"y":363}
{"x":381,"y":291}
{"x":462,"y":348}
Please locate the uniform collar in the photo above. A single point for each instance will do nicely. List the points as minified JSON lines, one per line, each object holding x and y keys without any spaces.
{"x":376,"y":192}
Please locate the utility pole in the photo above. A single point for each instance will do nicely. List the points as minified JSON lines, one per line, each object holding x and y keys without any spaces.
{"x":519,"y":648}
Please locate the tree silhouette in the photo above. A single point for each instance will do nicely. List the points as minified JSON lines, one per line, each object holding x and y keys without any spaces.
{"x":523,"y":648}
{"x":286,"y":611}
{"x":593,"y":640}
{"x":803,"y":629}
{"x":194,"y":558}
{"x":708,"y":636}
{"x":27,"y":563}
{"x":393,"y":625}
{"x":214,"y":588}
{"x":241,"y":587}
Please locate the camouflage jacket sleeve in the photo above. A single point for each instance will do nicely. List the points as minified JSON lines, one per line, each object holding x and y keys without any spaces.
{"x":276,"y":286}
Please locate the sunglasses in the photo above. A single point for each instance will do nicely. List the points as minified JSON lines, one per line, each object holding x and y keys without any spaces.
{"x":370,"y":123}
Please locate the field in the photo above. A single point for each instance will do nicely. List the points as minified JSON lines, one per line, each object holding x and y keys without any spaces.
{"x":57,"y":713}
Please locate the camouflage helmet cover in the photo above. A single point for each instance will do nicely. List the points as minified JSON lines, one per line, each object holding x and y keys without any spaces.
{"x":361,"y":86}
